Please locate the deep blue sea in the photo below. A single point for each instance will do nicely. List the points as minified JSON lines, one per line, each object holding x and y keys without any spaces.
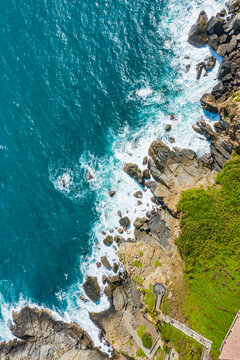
{"x":84,"y":86}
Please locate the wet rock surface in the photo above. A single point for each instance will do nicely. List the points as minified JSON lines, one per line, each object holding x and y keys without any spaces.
{"x":92,"y":289}
{"x":42,"y":338}
{"x":198,"y":34}
{"x":223,"y":32}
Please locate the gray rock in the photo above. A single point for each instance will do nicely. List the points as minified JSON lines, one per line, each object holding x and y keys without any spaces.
{"x":160,"y":231}
{"x":92,"y":289}
{"x":135,"y":173}
{"x":197,"y":35}
{"x":119,"y":298}
{"x":218,"y":90}
{"x":224,"y":69}
{"x":109,"y":289}
{"x":146,"y":174}
{"x":108,"y":240}
{"x":105,"y":262}
{"x":43,"y":338}
{"x":204,"y":129}
{"x":213,"y":42}
{"x":214,"y":26}
{"x":236,"y":24}
{"x":138,"y":223}
{"x":208,"y":103}
{"x":125,"y":221}
{"x":138,"y":194}
{"x":222,"y":49}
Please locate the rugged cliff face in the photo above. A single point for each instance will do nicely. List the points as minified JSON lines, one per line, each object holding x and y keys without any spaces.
{"x":40,"y":337}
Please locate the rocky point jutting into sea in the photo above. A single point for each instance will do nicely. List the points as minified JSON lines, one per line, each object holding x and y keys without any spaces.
{"x":152,"y":256}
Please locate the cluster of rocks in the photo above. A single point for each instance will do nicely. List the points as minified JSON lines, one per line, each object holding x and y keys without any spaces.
{"x":222,"y":34}
{"x":220,"y":147}
{"x":40,"y":337}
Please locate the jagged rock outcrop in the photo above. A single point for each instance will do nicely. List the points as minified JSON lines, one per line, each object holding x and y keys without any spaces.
{"x":42,"y":338}
{"x":92,"y":288}
{"x":177,"y":170}
{"x":198,"y":34}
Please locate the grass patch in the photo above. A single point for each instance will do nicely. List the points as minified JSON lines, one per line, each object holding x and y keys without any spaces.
{"x":140,"y":353}
{"x":187,"y":348}
{"x":138,"y":280}
{"x":157,"y":264}
{"x":210,"y":244}
{"x":138,"y":264}
{"x":141,"y":331}
{"x":141,"y":253}
{"x":149,"y":300}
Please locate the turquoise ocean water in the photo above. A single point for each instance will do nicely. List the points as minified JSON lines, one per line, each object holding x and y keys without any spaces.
{"x":85,"y":85}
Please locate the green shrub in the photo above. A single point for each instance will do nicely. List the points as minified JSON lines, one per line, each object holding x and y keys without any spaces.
{"x":157,"y":264}
{"x":137,"y":264}
{"x":147,"y":340}
{"x":141,"y":253}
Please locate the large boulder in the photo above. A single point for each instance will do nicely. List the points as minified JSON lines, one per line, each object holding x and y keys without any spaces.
{"x":224,"y":69}
{"x":105,"y":262}
{"x":125,"y":221}
{"x":120,"y":298}
{"x":236,"y":24}
{"x":204,"y":129}
{"x":208,"y":103}
{"x":92,"y":289}
{"x":159,"y":153}
{"x":197,"y":35}
{"x":135,"y":173}
{"x":215,"y":26}
{"x":108,"y":240}
{"x":218,"y":90}
{"x":213,"y":42}
{"x":139,"y":222}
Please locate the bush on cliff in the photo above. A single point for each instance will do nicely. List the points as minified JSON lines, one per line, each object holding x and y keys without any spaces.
{"x":210,"y":244}
{"x":147,"y":340}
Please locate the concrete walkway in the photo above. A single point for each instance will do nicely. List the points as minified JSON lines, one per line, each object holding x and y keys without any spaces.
{"x":189,"y":332}
{"x":137,"y":339}
{"x":149,"y":353}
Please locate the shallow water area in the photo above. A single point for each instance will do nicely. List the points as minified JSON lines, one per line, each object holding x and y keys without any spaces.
{"x":87,"y":87}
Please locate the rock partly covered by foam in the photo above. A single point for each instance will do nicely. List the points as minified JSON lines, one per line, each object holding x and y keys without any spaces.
{"x":134,"y":171}
{"x":42,"y":338}
{"x":91,"y":288}
{"x":198,"y":35}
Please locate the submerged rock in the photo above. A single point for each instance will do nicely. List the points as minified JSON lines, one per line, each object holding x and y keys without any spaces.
{"x":92,"y":289}
{"x":112,"y":193}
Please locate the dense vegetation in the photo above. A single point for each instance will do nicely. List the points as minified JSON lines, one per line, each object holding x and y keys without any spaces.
{"x":210,"y":244}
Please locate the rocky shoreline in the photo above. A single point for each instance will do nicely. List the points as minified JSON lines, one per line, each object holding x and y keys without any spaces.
{"x":152,"y":256}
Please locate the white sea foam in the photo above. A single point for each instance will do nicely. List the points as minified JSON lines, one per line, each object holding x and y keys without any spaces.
{"x":128,"y":146}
